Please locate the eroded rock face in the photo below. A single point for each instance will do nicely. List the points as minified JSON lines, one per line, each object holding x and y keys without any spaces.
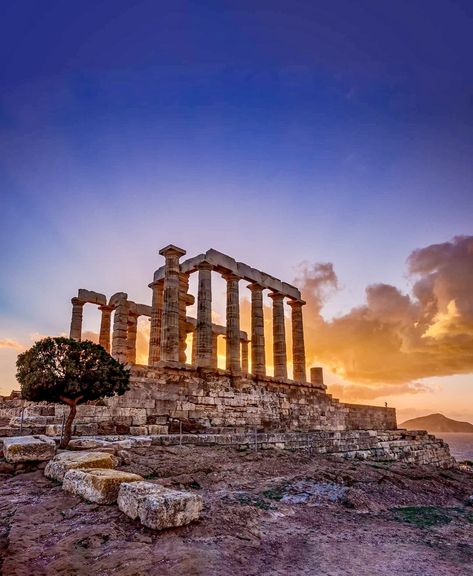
{"x":28,"y":448}
{"x":98,"y":485}
{"x":61,"y":463}
{"x":158,"y":507}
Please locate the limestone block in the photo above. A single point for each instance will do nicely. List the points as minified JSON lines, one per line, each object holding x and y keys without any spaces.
{"x":61,"y":463}
{"x":28,"y":448}
{"x":157,"y":429}
{"x":158,"y":507}
{"x":138,"y":430}
{"x":100,"y":485}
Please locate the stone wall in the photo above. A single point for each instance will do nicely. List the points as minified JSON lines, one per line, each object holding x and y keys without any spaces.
{"x":169,"y":399}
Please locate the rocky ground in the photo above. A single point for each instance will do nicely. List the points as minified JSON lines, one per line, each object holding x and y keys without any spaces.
{"x":266,"y":513}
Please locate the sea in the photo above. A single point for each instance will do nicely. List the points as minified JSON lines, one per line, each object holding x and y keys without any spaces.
{"x":461,"y":445}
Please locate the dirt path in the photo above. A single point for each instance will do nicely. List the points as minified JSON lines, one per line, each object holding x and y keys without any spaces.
{"x":265,"y":514}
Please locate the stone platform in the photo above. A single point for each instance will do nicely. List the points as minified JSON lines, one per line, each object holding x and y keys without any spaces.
{"x":169,"y":398}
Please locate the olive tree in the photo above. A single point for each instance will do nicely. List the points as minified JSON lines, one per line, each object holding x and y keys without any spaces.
{"x":69,"y":371}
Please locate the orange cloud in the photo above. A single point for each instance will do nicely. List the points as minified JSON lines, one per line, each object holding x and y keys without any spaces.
{"x":394,"y":339}
{"x":12,"y":344}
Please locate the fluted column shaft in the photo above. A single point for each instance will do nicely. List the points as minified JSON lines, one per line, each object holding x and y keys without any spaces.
{"x":203,"y":330}
{"x":156,"y":321}
{"x":105,"y":324}
{"x":131,"y":338}
{"x":214,"y":351}
{"x":258,"y":355}
{"x":279,"y":336}
{"x":233,"y":323}
{"x":76,"y":319}
{"x":185,"y":299}
{"x":244,"y":356}
{"x":170,"y":317}
{"x":120,"y":332}
{"x":298,"y":346}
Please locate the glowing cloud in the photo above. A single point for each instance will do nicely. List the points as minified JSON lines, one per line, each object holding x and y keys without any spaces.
{"x":394,"y":339}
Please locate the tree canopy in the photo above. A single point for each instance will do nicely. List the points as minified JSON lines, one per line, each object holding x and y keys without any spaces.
{"x":59,"y":368}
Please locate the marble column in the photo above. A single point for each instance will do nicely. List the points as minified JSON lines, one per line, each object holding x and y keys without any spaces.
{"x":214,"y":364}
{"x":244,"y":356}
{"x":233,"y":323}
{"x":258,"y":356}
{"x":298,"y":346}
{"x":203,"y":331}
{"x":76,"y":320}
{"x":279,"y":336}
{"x":194,"y":348}
{"x":155,"y":327}
{"x":105,"y":323}
{"x":131,"y":338}
{"x":185,"y":299}
{"x":120,"y":332}
{"x":170,"y":318}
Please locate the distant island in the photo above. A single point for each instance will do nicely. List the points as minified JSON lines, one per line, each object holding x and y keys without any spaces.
{"x":437,"y":423}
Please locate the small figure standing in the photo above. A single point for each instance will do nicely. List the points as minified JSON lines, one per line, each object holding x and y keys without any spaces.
{"x":385,"y":404}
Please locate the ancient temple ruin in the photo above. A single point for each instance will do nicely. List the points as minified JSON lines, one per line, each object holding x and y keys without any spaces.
{"x":189,"y":388}
{"x":170,"y":323}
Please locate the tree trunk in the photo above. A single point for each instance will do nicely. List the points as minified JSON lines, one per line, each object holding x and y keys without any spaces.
{"x":67,"y":432}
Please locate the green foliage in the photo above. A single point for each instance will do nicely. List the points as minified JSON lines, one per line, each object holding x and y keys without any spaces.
{"x":423,"y":516}
{"x":55,"y":369}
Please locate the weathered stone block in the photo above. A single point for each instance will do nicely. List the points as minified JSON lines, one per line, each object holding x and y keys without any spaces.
{"x":97,"y":485}
{"x":138,"y":430}
{"x":158,"y":507}
{"x":61,"y":463}
{"x":28,"y":448}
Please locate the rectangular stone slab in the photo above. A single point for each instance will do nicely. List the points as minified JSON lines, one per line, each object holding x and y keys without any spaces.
{"x":98,"y":485}
{"x":158,"y":507}
{"x":28,"y":448}
{"x":61,"y":463}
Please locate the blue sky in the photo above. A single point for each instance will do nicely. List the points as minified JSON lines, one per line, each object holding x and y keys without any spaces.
{"x":277,"y":132}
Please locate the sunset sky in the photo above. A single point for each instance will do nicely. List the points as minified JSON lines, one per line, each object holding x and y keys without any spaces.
{"x":329,"y":144}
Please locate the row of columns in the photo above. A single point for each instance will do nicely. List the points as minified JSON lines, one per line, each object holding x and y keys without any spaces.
{"x":165,"y":329}
{"x":125,"y":327}
{"x":105,"y":322}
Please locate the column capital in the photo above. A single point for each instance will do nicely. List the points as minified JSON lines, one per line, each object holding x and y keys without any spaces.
{"x":77,"y":302}
{"x":296,"y":303}
{"x":229,"y":276}
{"x":204,"y":265}
{"x":255,"y":287}
{"x":171,"y":250}
{"x":105,"y":308}
{"x":276,"y":296}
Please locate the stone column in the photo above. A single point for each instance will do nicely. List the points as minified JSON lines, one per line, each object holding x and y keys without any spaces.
{"x":233,"y":323}
{"x":214,"y":351}
{"x":298,"y":347}
{"x":120,"y":332}
{"x":185,"y":299}
{"x":131,"y":338}
{"x":194,"y":348}
{"x":105,"y":323}
{"x":244,"y":356}
{"x":258,"y":356}
{"x":170,"y":318}
{"x":155,"y":327}
{"x":203,"y":331}
{"x":279,"y":336}
{"x":76,"y":320}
